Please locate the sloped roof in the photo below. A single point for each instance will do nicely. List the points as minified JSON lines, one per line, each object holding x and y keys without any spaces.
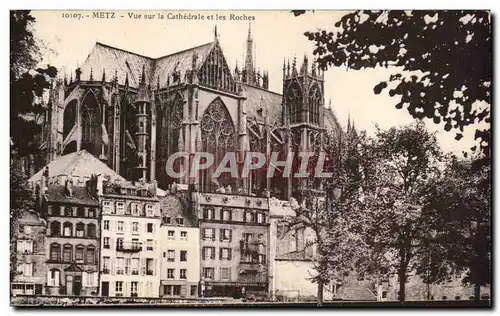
{"x":80,"y":195}
{"x":356,"y":293}
{"x":110,"y":59}
{"x":81,"y":164}
{"x":260,"y":98}
{"x":30,"y":218}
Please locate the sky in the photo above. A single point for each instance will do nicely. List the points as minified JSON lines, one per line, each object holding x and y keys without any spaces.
{"x":276,"y":34}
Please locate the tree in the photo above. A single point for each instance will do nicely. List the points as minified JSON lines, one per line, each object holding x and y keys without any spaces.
{"x":462,"y":200}
{"x":21,"y":198}
{"x":28,"y":84}
{"x":443,"y":61}
{"x":330,"y":216}
{"x":400,"y":163}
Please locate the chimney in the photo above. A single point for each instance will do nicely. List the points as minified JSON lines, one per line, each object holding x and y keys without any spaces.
{"x":99,"y":185}
{"x":61,"y":179}
{"x":69,"y":187}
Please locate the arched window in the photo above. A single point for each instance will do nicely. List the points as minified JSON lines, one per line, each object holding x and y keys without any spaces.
{"x":55,"y":228}
{"x":54,"y":277}
{"x":91,"y":231}
{"x":91,"y":125}
{"x":218,"y":137}
{"x":67,"y":229}
{"x":80,"y":230}
{"x":55,"y":252}
{"x":314,"y":104}
{"x":294,"y":103}
{"x":67,"y":253}
{"x":90,"y":258}
{"x":79,"y":253}
{"x":69,"y":118}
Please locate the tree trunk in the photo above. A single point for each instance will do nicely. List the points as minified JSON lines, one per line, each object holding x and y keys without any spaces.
{"x":320,"y":293}
{"x":428,"y":291}
{"x":477,"y":292}
{"x":402,"y":274}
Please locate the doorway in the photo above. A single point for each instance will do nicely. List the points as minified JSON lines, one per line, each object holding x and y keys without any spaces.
{"x":77,"y":284}
{"x":105,"y":288}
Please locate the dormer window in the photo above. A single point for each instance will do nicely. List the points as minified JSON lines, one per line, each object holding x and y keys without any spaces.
{"x":180,"y":221}
{"x":120,"y":208}
{"x":107,"y":207}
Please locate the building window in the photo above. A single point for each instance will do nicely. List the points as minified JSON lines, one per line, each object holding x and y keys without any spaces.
{"x":149,"y":244}
{"x":225,"y":273}
{"x":79,"y":253}
{"x":120,"y":208}
{"x":50,"y":209}
{"x":54,"y":278}
{"x":89,"y":278}
{"x":105,"y":265}
{"x":226,"y":235}
{"x":80,"y":212}
{"x":91,"y":231}
{"x":25,"y":269}
{"x":55,"y":228}
{"x":119,"y":288}
{"x":106,"y":225}
{"x":171,"y":235}
{"x":67,"y":253}
{"x":105,"y":243}
{"x":170,"y":273}
{"x":135,"y":266}
{"x":184,"y":255}
{"x":25,"y":246}
{"x":249,"y":217}
{"x":262,"y":259}
{"x":80,"y":230}
{"x":166,"y":220}
{"x":248,"y":237}
{"x":133,"y":209}
{"x":180,"y":221}
{"x":184,"y":235}
{"x":55,"y":252}
{"x":150,"y":227}
{"x":119,"y":243}
{"x":226,"y":215}
{"x":135,"y":227}
{"x":208,"y":273}
{"x":128,"y":262}
{"x":171,"y":256}
{"x":119,"y":265}
{"x":225,"y":254}
{"x":133,"y":288}
{"x":208,"y":253}
{"x":183,"y":274}
{"x":209,"y":233}
{"x":120,"y":226}
{"x":193,"y":290}
{"x":149,"y":210}
{"x":260,"y":218}
{"x":107,"y":207}
{"x":67,"y":229}
{"x":90,"y":255}
{"x":208,"y":213}
{"x":150,"y":266}
{"x":91,"y":213}
{"x":68,"y":212}
{"x":136,"y":244}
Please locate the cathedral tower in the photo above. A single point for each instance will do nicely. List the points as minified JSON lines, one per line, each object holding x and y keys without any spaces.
{"x":143,"y":106}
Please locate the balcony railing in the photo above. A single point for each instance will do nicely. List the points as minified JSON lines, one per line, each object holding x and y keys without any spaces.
{"x":129,"y":247}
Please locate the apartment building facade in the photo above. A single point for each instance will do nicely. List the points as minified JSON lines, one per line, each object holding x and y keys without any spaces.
{"x":72,"y":238}
{"x":179,"y":248}
{"x":130,"y":228}
{"x":234,"y":238}
{"x":29,"y":239}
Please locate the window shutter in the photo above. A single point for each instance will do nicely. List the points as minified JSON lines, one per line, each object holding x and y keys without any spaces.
{"x":205,"y":213}
{"x":154,"y":267}
{"x":220,"y":253}
{"x":204,"y":233}
{"x":143,"y":266}
{"x":84,"y":279}
{"x":229,"y":253}
{"x":230,"y":235}
{"x":112,"y":264}
{"x":230,"y":215}
{"x":96,"y":278}
{"x":213,"y":233}
{"x":213,"y":253}
{"x":245,"y":216}
{"x":222,"y":214}
{"x":203,"y":253}
{"x":221,"y":234}
{"x":125,"y":288}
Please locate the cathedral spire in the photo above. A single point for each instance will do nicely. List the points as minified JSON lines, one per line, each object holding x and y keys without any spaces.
{"x":249,"y":66}
{"x":349,"y":122}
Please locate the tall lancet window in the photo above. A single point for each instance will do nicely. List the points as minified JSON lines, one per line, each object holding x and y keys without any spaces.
{"x":294,"y":103}
{"x":314,"y":104}
{"x":218,"y":137}
{"x":91,"y":125}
